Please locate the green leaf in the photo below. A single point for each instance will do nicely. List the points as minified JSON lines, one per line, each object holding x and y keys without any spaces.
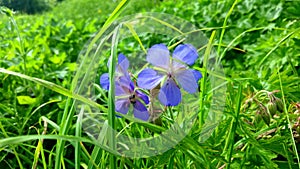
{"x":23,"y":100}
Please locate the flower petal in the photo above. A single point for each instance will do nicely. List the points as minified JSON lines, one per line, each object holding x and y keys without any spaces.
{"x":140,"y":111}
{"x":104,"y":81}
{"x":169,"y":94}
{"x":121,"y":90}
{"x":197,"y":75}
{"x":142,"y":96}
{"x":122,"y":105}
{"x":148,"y":79}
{"x":187,"y":80}
{"x":159,"y":55}
{"x":185,"y":53}
{"x":123,"y":62}
{"x":125,"y":82}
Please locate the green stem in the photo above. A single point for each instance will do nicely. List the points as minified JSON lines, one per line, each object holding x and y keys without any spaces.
{"x":203,"y":80}
{"x":288,"y":119}
{"x":9,"y":13}
{"x":111,"y":97}
{"x":69,"y":114}
{"x":234,"y":124}
{"x":224,"y":25}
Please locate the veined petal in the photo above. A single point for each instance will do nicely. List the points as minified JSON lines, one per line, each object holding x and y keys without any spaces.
{"x":185,"y":53}
{"x":104,"y":81}
{"x":169,"y":94}
{"x":123,"y":62}
{"x":140,"y":111}
{"x":148,"y":78}
{"x":125,"y":82}
{"x":197,"y":74}
{"x":159,"y":55}
{"x":142,"y":96}
{"x":121,"y":91}
{"x":187,"y":80}
{"x":122,"y":105}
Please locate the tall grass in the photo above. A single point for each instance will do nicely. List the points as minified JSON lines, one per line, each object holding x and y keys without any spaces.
{"x":244,"y":138}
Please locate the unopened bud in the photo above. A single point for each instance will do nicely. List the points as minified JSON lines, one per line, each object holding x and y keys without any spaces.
{"x":272,"y":107}
{"x":257,"y":117}
{"x":279,"y":104}
{"x":266,"y":116}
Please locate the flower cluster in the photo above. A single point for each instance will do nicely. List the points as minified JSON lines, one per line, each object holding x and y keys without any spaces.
{"x":171,"y":73}
{"x":125,"y":91}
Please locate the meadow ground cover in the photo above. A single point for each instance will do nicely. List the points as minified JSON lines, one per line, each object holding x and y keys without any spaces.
{"x":224,"y":92}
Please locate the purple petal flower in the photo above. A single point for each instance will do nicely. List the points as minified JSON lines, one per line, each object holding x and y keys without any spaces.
{"x":125,"y":82}
{"x":122,"y":105}
{"x":149,"y":78}
{"x":178,"y":72}
{"x":186,"y":53}
{"x":169,"y":94}
{"x":187,"y":80}
{"x":104,"y":81}
{"x":121,"y":90}
{"x":142,"y":96}
{"x":159,"y":55}
{"x":140,"y":111}
{"x":125,"y":91}
{"x":121,"y":73}
{"x":197,"y":75}
{"x":123,"y":62}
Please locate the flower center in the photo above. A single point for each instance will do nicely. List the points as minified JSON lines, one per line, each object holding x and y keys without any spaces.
{"x":132,"y":99}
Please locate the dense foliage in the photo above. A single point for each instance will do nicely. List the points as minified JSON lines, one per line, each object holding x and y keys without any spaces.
{"x":27,"y":6}
{"x":260,"y":52}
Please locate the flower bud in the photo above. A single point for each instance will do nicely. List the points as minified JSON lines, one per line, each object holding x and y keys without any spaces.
{"x":257,"y":117}
{"x":279,"y":104}
{"x":272,"y":108}
{"x":266,"y":116}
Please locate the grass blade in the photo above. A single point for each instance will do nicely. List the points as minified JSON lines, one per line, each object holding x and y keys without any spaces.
{"x":288,"y":119}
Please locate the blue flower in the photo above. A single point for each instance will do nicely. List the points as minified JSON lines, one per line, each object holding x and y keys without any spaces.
{"x":173,"y":72}
{"x":125,"y":91}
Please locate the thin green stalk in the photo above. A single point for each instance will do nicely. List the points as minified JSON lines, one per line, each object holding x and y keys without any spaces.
{"x":56,"y":88}
{"x":288,"y":119}
{"x":78,"y":134}
{"x":135,"y":35}
{"x":234,"y":124}
{"x":235,"y":39}
{"x":277,"y":45}
{"x":111,"y":97}
{"x":165,"y":23}
{"x":13,"y":148}
{"x":9,"y":13}
{"x":89,"y":156}
{"x":69,"y":114}
{"x":204,"y":77}
{"x":224,"y":25}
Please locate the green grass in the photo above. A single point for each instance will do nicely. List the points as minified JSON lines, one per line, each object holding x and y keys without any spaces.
{"x":45,"y":93}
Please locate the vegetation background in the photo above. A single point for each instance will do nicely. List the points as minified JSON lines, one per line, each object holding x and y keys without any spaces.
{"x":258,"y":42}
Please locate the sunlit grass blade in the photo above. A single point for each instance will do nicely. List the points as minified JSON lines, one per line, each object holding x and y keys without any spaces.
{"x":234,"y":123}
{"x":225,"y":24}
{"x":288,"y":119}
{"x":69,"y":110}
{"x":78,"y":134}
{"x":277,"y":45}
{"x":204,"y":77}
{"x":235,"y":39}
{"x":111,"y":97}
{"x":55,"y":88}
{"x":135,"y":35}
